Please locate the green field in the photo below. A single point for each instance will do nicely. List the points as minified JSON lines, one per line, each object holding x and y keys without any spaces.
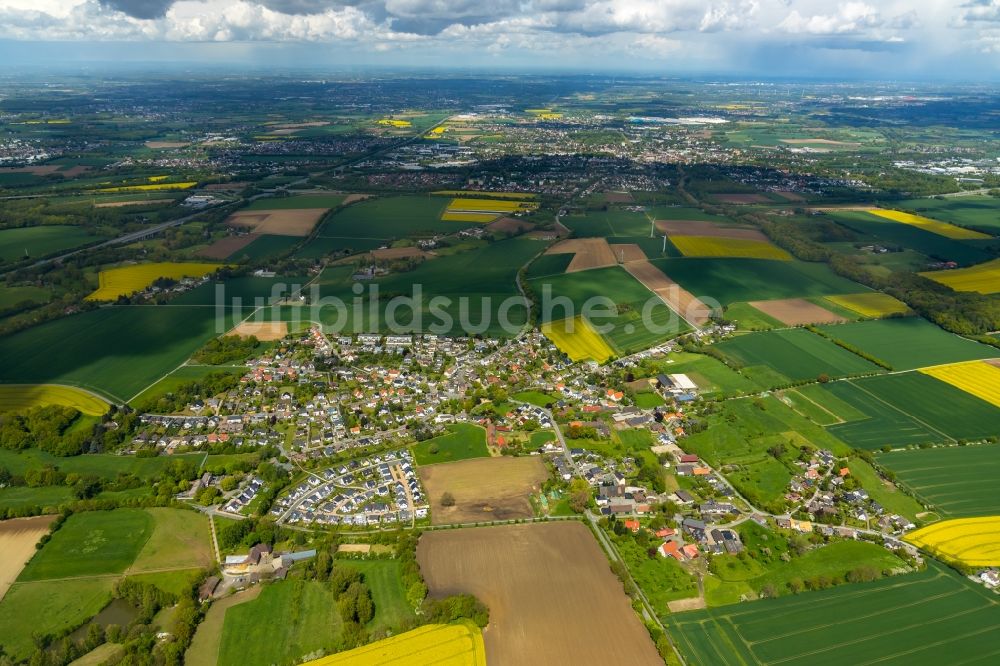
{"x":185,"y":374}
{"x":941,"y":406}
{"x":909,"y":343}
{"x":749,"y":318}
{"x":608,"y":223}
{"x":925,"y":242}
{"x":981,"y":212}
{"x":297,"y":202}
{"x":323,"y":245}
{"x":99,"y":542}
{"x":463,"y":440}
{"x":391,"y":217}
{"x":15,"y":497}
{"x":739,"y":280}
{"x":548,"y":264}
{"x":48,"y":607}
{"x":288,"y":621}
{"x":104,"y":465}
{"x":883,"y":424}
{"x":931,"y":617}
{"x":795,"y":353}
{"x":180,"y":540}
{"x":251,"y":291}
{"x":41,"y":241}
{"x":662,"y":579}
{"x":265,"y":247}
{"x":536,"y":398}
{"x":114,"y":351}
{"x":601,"y":286}
{"x":473,"y":304}
{"x":685,"y":213}
{"x":958,"y":481}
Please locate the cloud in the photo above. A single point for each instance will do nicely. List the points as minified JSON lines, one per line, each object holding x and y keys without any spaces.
{"x":852,"y":17}
{"x":141,"y":9}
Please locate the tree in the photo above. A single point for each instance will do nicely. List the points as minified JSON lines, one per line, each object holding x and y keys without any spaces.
{"x":579,"y":495}
{"x":447,"y":499}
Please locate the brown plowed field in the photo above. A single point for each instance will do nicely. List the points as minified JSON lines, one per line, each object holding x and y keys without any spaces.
{"x":290,"y":222}
{"x":262,"y":330}
{"x":588,"y":253}
{"x":619,"y":197}
{"x":791,"y":196}
{"x":795,"y":311}
{"x":676,"y":297}
{"x":18,"y":537}
{"x":509,"y":224}
{"x":483,"y":488}
{"x":626,"y":252}
{"x":225,"y":247}
{"x":166,"y":144}
{"x":550,"y":591}
{"x":709,"y":229}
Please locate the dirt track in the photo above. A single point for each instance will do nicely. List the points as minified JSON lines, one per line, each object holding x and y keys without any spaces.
{"x":677,"y":298}
{"x":550,"y":591}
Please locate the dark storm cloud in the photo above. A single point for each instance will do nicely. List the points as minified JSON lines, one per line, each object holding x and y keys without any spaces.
{"x":140,"y":9}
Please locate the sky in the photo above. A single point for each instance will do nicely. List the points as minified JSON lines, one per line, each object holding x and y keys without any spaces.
{"x":939,"y":39}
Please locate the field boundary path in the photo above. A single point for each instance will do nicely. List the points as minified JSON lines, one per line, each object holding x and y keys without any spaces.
{"x":215,"y":539}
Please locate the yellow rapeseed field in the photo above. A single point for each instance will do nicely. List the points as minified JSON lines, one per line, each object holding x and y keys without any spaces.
{"x":391,"y":122}
{"x":744,"y":248}
{"x":983,"y":278}
{"x":927,"y":224}
{"x":870,"y":304}
{"x":577,"y":339}
{"x":974,"y":542}
{"x":483,"y":210}
{"x":979,"y":378}
{"x":149,"y":188}
{"x":438,"y":644}
{"x":126,"y":280}
{"x":157,"y":179}
{"x":15,"y":397}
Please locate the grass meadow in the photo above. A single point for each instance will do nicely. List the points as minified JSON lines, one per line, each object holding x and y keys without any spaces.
{"x":462,"y":441}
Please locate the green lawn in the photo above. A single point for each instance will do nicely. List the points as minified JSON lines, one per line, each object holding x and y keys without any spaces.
{"x":180,"y":540}
{"x":892,"y":499}
{"x":957,"y":481}
{"x":385,"y":581}
{"x":795,"y":353}
{"x":648,"y":400}
{"x":462,"y":441}
{"x":48,"y":607}
{"x":289,"y":620}
{"x":909,"y":342}
{"x":15,"y":497}
{"x":173,"y":582}
{"x":662,"y":579}
{"x":11,"y":296}
{"x":931,"y":617}
{"x":712,"y":377}
{"x":92,"y":543}
{"x":104,"y":465}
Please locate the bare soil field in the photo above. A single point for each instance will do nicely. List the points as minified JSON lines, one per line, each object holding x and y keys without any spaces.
{"x":483,"y":488}
{"x":707,"y":229}
{"x":225,"y":247}
{"x":37,"y":170}
{"x":166,"y":144}
{"x":262,"y":330}
{"x":994,"y":361}
{"x":550,"y":591}
{"x":795,"y":311}
{"x":618,"y":197}
{"x":741,"y":198}
{"x":351,"y":198}
{"x":509,"y":224}
{"x":311,"y":123}
{"x":588,"y":253}
{"x":288,"y":222}
{"x":626,"y":252}
{"x":18,"y":537}
{"x":681,"y":605}
{"x":679,"y":300}
{"x":390,"y":253}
